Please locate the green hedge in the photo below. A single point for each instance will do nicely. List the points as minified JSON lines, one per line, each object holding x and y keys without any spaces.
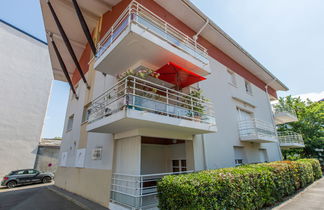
{"x":245,"y":187}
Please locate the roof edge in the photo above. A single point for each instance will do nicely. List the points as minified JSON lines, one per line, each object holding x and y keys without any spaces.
{"x":23,"y":32}
{"x":232,"y":41}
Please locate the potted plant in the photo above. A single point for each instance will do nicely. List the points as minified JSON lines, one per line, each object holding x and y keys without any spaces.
{"x":198,"y":109}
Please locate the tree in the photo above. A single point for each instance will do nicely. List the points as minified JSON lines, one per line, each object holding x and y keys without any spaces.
{"x":310,"y":124}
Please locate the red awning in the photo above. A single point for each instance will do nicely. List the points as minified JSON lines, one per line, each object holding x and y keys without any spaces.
{"x":178,"y":76}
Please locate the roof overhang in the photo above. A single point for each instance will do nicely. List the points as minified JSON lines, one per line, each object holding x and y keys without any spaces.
{"x":91,"y":10}
{"x":189,"y":14}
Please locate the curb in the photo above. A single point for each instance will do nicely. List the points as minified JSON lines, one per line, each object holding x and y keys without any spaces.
{"x":297,"y":195}
{"x":69,"y":198}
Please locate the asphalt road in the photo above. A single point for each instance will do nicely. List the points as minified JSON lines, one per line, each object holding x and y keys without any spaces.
{"x":34,"y":197}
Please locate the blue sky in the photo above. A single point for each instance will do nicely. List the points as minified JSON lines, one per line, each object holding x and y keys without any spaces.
{"x":285,"y":36}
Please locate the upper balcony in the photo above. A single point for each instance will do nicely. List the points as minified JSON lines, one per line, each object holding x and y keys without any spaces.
{"x":284,"y":115}
{"x":258,"y":131}
{"x":290,"y":140}
{"x":137,"y":103}
{"x":139,"y":35}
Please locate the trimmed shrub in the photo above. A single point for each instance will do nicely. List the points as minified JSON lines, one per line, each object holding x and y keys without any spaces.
{"x":245,"y":187}
{"x":316,"y":167}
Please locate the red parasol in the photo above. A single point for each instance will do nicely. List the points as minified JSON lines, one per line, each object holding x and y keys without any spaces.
{"x":178,"y":76}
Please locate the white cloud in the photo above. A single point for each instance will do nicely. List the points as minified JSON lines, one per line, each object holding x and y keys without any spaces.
{"x":311,"y":96}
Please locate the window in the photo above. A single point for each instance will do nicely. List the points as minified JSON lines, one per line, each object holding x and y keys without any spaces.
{"x":179,"y":165}
{"x":238,"y":162}
{"x":20,"y":172}
{"x":232,"y":78}
{"x":70,"y":123}
{"x":248,"y":87}
{"x":32,"y":172}
{"x":86,"y":113}
{"x":239,"y":155}
{"x":97,"y":153}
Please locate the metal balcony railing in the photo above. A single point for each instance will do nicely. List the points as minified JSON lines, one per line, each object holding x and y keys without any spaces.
{"x":136,"y":13}
{"x":290,"y":138}
{"x":142,"y":95}
{"x":280,"y":109}
{"x":256,"y":128}
{"x":137,"y":191}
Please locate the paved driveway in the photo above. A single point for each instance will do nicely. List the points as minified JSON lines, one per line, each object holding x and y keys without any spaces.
{"x":34,"y":197}
{"x":310,"y":199}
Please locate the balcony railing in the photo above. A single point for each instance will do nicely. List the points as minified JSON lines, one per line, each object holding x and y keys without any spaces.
{"x":137,"y":192}
{"x":254,"y":128}
{"x":290,"y":138}
{"x":286,"y":109}
{"x":137,"y":14}
{"x":142,"y":95}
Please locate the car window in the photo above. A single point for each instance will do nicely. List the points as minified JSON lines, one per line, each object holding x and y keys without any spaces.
{"x":32,"y":171}
{"x":20,"y":172}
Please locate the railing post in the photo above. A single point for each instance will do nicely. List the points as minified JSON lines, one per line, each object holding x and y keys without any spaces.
{"x":112,"y":35}
{"x":125,"y":94}
{"x":134,"y":92}
{"x":137,"y":11}
{"x":167,"y":102}
{"x":130,"y":13}
{"x":192,"y":109}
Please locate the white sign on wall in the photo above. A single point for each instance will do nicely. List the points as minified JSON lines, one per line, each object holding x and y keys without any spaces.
{"x":80,"y":157}
{"x":63,"y":159}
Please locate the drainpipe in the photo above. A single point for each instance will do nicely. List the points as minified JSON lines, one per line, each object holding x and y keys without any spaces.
{"x":272,"y":116}
{"x":195,"y":37}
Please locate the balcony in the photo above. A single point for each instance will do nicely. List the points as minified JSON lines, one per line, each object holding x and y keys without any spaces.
{"x":258,"y":131}
{"x":139,"y":35}
{"x":290,"y":140}
{"x":135,"y":103}
{"x":136,"y":191}
{"x":284,"y":115}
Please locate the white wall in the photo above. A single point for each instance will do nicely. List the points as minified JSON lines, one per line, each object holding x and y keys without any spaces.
{"x":158,"y":158}
{"x":219,"y":146}
{"x":128,"y":156}
{"x":25,"y":84}
{"x":71,"y":138}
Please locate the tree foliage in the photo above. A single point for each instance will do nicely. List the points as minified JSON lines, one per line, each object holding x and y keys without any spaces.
{"x":310,"y":124}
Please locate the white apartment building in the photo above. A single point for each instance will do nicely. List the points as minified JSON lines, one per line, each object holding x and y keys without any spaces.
{"x":123,"y":133}
{"x":25,"y":84}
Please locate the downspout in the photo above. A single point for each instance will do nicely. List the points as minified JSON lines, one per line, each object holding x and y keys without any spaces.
{"x":195,"y":37}
{"x":272,"y":116}
{"x":204,"y":151}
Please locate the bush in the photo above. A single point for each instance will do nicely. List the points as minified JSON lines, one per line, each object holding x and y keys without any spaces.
{"x":244,"y":187}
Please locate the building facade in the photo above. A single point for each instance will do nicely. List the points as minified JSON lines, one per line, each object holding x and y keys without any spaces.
{"x":47,"y":155}
{"x":25,"y":82}
{"x":138,"y":110}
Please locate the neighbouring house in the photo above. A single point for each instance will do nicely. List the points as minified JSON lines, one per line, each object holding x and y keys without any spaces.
{"x":47,"y":155}
{"x":25,"y":85}
{"x":140,"y":73}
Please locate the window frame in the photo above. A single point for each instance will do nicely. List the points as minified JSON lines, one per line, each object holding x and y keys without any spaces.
{"x":86,"y":113}
{"x":233,"y":80}
{"x":248,"y":87}
{"x":68,"y":127}
{"x":180,"y":166}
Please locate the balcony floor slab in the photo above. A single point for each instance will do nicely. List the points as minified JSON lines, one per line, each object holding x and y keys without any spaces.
{"x":136,"y":44}
{"x":130,"y":119}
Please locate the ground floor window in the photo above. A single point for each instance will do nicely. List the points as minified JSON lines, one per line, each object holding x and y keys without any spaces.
{"x":239,"y":155}
{"x":179,"y":165}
